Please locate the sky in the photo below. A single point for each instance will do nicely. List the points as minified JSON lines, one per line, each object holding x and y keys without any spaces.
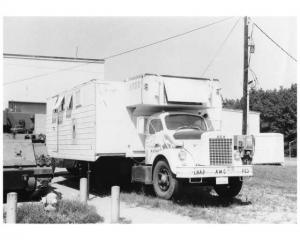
{"x":189,"y":55}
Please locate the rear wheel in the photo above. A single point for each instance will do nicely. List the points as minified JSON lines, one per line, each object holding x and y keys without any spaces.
{"x":231,"y":189}
{"x":164,"y":183}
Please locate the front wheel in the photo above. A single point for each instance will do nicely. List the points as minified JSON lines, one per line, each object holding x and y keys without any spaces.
{"x":231,"y":189}
{"x":164,"y":183}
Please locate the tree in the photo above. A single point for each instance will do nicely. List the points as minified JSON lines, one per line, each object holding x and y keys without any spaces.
{"x":278,"y":110}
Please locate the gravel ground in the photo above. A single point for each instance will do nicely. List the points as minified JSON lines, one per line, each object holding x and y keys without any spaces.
{"x":128,"y":213}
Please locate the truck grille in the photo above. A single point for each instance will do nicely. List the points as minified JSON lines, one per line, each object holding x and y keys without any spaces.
{"x":220,"y":151}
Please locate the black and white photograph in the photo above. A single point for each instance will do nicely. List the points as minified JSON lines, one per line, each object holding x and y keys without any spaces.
{"x":149,"y":119}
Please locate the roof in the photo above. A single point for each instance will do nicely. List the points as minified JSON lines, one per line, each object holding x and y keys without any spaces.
{"x":30,"y":102}
{"x":169,"y":76}
{"x":238,"y":110}
{"x":52,"y":58}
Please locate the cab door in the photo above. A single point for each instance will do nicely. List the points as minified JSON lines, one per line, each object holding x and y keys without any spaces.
{"x":154,"y":138}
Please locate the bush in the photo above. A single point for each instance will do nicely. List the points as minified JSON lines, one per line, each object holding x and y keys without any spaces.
{"x":67,"y":212}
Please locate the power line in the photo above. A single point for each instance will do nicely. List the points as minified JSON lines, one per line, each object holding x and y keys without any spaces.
{"x":166,"y":39}
{"x":44,"y":67}
{"x":122,"y":53}
{"x":268,"y":36}
{"x":220,"y":47}
{"x":43,"y":75}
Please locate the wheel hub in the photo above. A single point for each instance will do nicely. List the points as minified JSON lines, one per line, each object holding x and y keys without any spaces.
{"x":164,"y":179}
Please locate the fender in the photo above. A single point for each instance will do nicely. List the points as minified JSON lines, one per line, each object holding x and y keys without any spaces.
{"x":171,"y":155}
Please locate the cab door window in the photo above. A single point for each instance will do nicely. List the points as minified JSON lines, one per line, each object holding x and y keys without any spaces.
{"x":155,"y":126}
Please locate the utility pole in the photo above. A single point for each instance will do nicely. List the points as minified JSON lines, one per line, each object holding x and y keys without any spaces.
{"x":245,"y":103}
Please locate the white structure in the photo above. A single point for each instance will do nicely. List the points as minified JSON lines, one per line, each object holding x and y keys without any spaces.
{"x":78,"y":119}
{"x":232,"y":121}
{"x":39,"y":123}
{"x":169,"y":127}
{"x":38,"y":77}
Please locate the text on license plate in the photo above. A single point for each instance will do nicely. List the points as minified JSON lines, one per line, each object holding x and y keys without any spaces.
{"x":222,"y":180}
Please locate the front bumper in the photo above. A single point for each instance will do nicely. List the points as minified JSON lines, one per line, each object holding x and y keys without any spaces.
{"x":214,"y":171}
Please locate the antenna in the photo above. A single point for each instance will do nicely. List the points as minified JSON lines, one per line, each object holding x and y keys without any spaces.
{"x":76,"y":53}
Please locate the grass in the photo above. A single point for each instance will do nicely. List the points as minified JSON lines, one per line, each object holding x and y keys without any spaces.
{"x":67,"y":212}
{"x":269,"y":197}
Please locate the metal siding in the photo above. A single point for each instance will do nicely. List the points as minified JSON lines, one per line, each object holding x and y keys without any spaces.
{"x":83,"y":146}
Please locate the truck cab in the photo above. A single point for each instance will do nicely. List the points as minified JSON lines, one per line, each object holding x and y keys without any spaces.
{"x":184,"y":147}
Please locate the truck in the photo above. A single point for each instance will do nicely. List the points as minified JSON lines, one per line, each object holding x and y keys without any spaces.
{"x":26,"y":163}
{"x":161,"y":130}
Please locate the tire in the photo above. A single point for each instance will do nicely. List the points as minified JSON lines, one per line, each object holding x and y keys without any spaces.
{"x":231,"y":189}
{"x":164,"y":183}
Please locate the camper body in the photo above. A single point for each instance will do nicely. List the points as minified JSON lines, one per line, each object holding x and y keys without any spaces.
{"x":167,"y":127}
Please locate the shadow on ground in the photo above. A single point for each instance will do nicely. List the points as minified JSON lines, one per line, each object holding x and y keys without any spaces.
{"x":196,"y":196}
{"x":24,"y":196}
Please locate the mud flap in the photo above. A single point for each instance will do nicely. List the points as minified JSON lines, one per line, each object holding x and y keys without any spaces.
{"x":142,"y":174}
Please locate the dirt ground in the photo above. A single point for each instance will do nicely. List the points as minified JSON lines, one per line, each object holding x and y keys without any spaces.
{"x":128,"y":213}
{"x":269,"y":197}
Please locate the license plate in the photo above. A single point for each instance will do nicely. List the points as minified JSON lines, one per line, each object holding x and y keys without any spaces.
{"x":222,"y":180}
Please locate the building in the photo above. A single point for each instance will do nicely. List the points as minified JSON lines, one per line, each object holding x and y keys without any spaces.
{"x":27,"y":107}
{"x":32,"y":79}
{"x":232,"y":121}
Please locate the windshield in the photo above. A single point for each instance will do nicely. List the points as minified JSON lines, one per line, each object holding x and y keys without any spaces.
{"x":185,"y":121}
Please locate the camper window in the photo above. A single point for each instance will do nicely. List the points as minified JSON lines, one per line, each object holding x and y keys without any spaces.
{"x":56,"y":104}
{"x":69,"y":106}
{"x":77,"y":95}
{"x":55,"y":109}
{"x":62,"y":105}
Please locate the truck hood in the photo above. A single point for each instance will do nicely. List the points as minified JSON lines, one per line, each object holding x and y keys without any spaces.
{"x":199,"y":148}
{"x":188,"y":134}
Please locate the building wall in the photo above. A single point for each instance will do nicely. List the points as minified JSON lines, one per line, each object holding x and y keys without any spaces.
{"x":40,"y":123}
{"x":27,"y":107}
{"x":37,"y":78}
{"x":232,"y":121}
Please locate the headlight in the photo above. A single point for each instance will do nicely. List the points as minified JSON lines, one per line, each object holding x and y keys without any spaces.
{"x":182,"y":155}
